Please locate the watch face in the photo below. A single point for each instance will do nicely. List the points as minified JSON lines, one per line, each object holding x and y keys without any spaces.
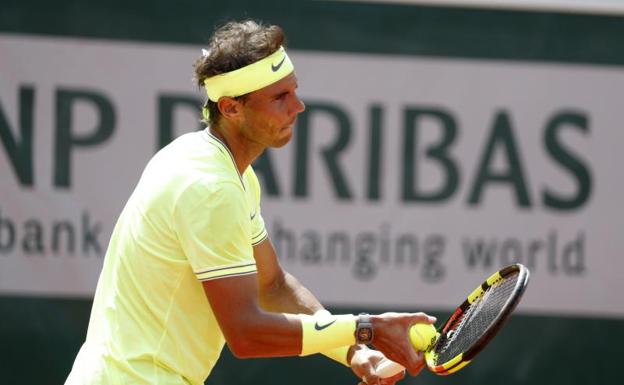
{"x":365,"y":334}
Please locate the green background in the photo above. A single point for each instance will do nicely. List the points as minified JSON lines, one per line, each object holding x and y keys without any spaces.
{"x":39,"y":337}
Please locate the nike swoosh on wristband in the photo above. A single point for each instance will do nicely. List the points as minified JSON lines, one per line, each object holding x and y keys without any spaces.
{"x":321,"y":327}
{"x":276,"y":68}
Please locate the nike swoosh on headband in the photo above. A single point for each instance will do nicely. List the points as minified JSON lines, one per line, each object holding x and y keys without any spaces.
{"x":276,"y":68}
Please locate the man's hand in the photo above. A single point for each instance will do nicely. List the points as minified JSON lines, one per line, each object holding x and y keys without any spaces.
{"x":391,"y":337}
{"x":364,"y":362}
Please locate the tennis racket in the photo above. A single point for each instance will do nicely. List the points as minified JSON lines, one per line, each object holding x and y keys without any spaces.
{"x":473,"y":325}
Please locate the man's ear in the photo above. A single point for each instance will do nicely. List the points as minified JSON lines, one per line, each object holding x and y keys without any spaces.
{"x":229,"y":108}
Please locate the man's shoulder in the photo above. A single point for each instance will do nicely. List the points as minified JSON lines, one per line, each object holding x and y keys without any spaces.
{"x":188,"y":168}
{"x":194,"y":155}
{"x":189,"y":145}
{"x":211,"y":188}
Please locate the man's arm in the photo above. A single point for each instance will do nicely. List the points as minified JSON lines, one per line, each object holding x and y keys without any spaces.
{"x":257,"y":300}
{"x":241,"y":306}
{"x":250,"y":309}
{"x":280,"y":291}
{"x":249,"y":330}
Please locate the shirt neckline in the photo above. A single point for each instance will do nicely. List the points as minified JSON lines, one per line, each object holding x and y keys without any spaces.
{"x":224,"y":149}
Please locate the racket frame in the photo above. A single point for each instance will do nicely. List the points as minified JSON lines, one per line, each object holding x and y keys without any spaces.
{"x":463,"y":359}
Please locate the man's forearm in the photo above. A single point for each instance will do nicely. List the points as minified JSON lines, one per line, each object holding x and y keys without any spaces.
{"x":288,"y":295}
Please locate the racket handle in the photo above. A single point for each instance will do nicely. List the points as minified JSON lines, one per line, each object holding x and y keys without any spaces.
{"x":388,"y":368}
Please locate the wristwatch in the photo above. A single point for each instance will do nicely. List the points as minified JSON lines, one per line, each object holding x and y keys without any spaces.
{"x":363,"y":329}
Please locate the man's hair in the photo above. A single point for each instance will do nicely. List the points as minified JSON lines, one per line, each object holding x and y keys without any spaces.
{"x":232,"y":46}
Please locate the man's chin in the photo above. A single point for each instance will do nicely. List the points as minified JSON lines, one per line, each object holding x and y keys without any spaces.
{"x":281,"y":142}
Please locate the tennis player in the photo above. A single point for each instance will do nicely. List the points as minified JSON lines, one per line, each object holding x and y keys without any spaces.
{"x":190,"y":265}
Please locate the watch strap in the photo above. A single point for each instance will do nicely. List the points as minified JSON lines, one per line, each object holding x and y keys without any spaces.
{"x":364,"y":329}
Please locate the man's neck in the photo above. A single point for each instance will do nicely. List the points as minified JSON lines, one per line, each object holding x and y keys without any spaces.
{"x":243,"y":151}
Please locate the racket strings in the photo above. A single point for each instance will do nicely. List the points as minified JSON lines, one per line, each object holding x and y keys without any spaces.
{"x":476,"y":320}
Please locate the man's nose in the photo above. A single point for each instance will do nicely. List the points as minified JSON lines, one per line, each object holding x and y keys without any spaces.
{"x":299,"y":105}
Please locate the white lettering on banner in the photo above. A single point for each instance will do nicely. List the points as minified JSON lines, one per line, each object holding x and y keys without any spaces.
{"x":409,"y":179}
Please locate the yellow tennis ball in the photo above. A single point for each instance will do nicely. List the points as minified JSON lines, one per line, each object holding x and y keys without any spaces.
{"x":422,"y":336}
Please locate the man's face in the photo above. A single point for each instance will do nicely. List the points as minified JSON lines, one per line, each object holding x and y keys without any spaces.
{"x":270,"y":113}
